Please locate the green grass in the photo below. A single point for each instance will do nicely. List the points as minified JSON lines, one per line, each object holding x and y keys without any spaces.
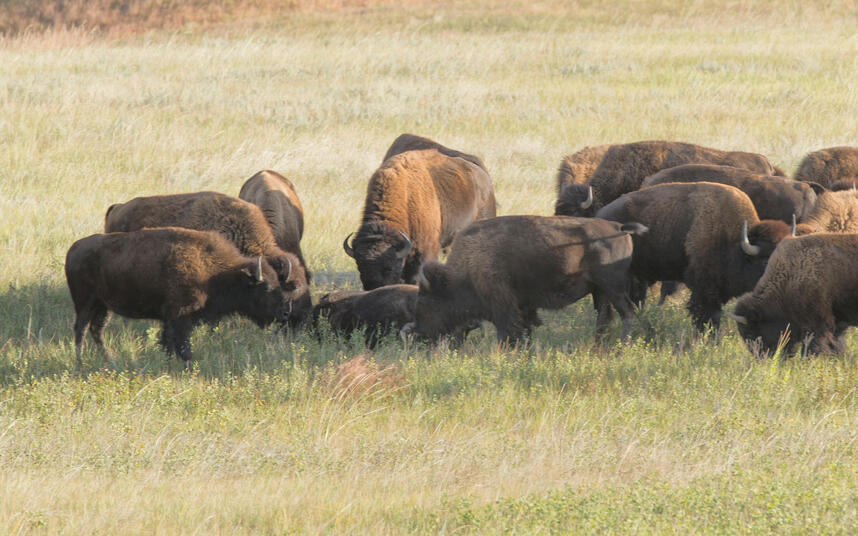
{"x":276,"y":434}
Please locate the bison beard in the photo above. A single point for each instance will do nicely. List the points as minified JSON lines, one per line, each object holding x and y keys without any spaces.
{"x":179,"y":276}
{"x":557,"y":261}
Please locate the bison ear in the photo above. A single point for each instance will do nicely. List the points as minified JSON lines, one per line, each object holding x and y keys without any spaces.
{"x":432,"y":278}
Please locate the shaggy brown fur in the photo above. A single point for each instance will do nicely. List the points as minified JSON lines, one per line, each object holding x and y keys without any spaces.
{"x":835,"y":212}
{"x":426,"y":196}
{"x":179,"y":276}
{"x":275,"y":195}
{"x":827,"y":166}
{"x":412,"y":142}
{"x":579,"y":167}
{"x":625,"y":166}
{"x":695,"y":236}
{"x":845,"y":184}
{"x":774,"y":198}
{"x":239,"y":221}
{"x":811,"y":288}
{"x":378,"y":311}
{"x":504,"y":269}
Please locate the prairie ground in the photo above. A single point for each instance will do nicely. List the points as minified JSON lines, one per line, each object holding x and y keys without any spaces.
{"x":276,"y":434}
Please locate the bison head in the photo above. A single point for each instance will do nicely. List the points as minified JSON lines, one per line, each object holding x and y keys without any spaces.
{"x":575,"y":200}
{"x":380,"y":253}
{"x":261,"y":298}
{"x":292,"y":279}
{"x":443,"y":307}
{"x":751,"y":255}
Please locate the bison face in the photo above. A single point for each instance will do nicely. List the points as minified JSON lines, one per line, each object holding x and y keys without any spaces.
{"x":753,"y":252}
{"x":441,"y":308}
{"x":761,"y":331}
{"x":263,"y":300}
{"x":575,"y":200}
{"x":380,"y":256}
{"x":292,"y":280}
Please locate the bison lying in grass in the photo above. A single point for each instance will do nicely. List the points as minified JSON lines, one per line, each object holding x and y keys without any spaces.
{"x":178,"y":276}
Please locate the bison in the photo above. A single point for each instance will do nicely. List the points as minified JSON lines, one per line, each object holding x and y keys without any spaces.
{"x":698,"y":235}
{"x":416,"y":202}
{"x":827,"y":166}
{"x":379,"y":311}
{"x":835,"y":212}
{"x":809,"y":291}
{"x":774,"y":198}
{"x":179,"y":276}
{"x":239,"y":221}
{"x":412,"y":142}
{"x":623,"y":168}
{"x":275,"y":195}
{"x":504,"y":269}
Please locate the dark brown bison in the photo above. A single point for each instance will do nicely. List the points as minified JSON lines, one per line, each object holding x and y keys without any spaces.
{"x":504,"y":269}
{"x":827,"y":166}
{"x":774,"y":198}
{"x":835,"y":212}
{"x":698,"y":235}
{"x":275,"y":195}
{"x":178,"y":276}
{"x":809,"y":290}
{"x":416,"y":202}
{"x":239,"y":221}
{"x":412,"y":142}
{"x":379,"y":311}
{"x":623,"y":168}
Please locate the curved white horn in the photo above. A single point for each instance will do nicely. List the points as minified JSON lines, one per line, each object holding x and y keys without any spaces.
{"x":259,"y":268}
{"x":747,"y":247}
{"x":422,"y":282}
{"x":587,"y":203}
{"x":405,"y":249}
{"x":738,"y":318}
{"x":349,"y":251}
{"x":792,"y":230}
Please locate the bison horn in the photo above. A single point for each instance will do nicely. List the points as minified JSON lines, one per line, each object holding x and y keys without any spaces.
{"x":259,"y":268}
{"x":403,"y":252}
{"x":422,"y":282}
{"x":792,"y":229}
{"x":287,"y":270}
{"x":747,"y":247}
{"x":349,"y":251}
{"x":738,"y":318}
{"x":587,"y":203}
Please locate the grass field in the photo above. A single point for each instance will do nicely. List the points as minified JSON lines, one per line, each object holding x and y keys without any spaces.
{"x":281,"y":435}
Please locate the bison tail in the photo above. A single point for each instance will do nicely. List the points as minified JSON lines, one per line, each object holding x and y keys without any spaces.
{"x":634,"y":228}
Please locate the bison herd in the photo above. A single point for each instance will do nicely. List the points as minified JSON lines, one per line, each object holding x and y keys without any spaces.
{"x":725,"y":224}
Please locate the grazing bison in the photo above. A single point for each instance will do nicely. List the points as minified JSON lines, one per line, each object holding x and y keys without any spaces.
{"x":835,"y":212}
{"x":379,"y":311}
{"x":412,"y":142}
{"x":810,"y":290}
{"x":827,"y":166}
{"x":239,"y":221}
{"x":275,"y":195}
{"x":623,"y":168}
{"x":504,"y":269}
{"x":416,"y":202}
{"x":178,"y":276}
{"x":698,"y":235}
{"x":774,"y":198}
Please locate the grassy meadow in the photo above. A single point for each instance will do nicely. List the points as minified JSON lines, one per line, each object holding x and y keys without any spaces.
{"x":276,"y":434}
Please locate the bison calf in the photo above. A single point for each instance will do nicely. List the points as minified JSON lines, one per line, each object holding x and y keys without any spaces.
{"x":378,"y":311}
{"x":504,"y":269}
{"x":809,"y":289}
{"x":178,"y":276}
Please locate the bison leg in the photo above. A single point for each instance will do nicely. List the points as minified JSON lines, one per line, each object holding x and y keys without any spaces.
{"x":705,"y":309}
{"x":668,"y":288}
{"x":88,"y":315}
{"x":604,"y":314}
{"x":176,"y":338}
{"x":100,"y":316}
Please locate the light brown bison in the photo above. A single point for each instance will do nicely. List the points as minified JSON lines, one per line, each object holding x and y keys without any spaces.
{"x":379,"y":311}
{"x":412,"y":142}
{"x":504,"y":269}
{"x":240,"y":222}
{"x":809,"y":289}
{"x":835,"y":212}
{"x":774,"y":198}
{"x":275,"y":195}
{"x":416,"y":202}
{"x":698,"y":235}
{"x":178,"y":276}
{"x":623,"y":168}
{"x":827,"y":166}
